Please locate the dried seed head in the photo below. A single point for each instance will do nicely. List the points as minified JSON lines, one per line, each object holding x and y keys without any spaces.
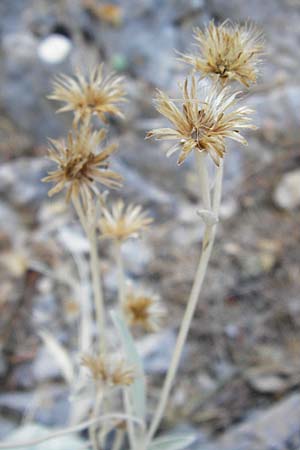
{"x":228,"y":51}
{"x":87,"y":96}
{"x":203,"y":124}
{"x":143,"y":310}
{"x":121,"y":223}
{"x":109,"y":371}
{"x":79,"y":167}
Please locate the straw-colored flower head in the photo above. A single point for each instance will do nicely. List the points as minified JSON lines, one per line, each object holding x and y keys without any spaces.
{"x":202,"y":124}
{"x":110,"y":371}
{"x":228,"y":51}
{"x":80,"y":166}
{"x":96,"y":94}
{"x":121,"y":222}
{"x":143,"y":310}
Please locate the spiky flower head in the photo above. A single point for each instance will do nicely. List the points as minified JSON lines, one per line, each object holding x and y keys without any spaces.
{"x":121,"y":222}
{"x":96,"y":94}
{"x":142,"y":309}
{"x":204,"y":123}
{"x":80,"y":166}
{"x":228,"y":52}
{"x":110,"y":371}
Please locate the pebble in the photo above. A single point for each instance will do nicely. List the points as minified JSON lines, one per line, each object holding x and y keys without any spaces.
{"x":54,"y":49}
{"x":287,"y":192}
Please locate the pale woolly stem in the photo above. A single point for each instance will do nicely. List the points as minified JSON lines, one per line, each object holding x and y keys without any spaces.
{"x":95,"y":413}
{"x":97,"y":288}
{"x":70,"y":430}
{"x":130,"y":426}
{"x":207,"y":245}
{"x":90,"y":230}
{"x":203,"y":179}
{"x":121,"y":273}
{"x":118,"y":441}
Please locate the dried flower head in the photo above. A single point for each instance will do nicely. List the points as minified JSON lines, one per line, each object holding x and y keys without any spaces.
{"x":143,"y":310}
{"x":109,"y":371}
{"x":228,"y":51}
{"x":202,"y":125}
{"x":79,"y":167}
{"x":93,"y":95}
{"x":121,"y":223}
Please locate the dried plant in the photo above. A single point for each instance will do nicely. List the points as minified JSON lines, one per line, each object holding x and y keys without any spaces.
{"x":142,"y":309}
{"x":80,"y":165}
{"x":97,"y":94}
{"x":121,"y":223}
{"x":228,"y":52}
{"x":201,"y":123}
{"x":110,"y":371}
{"x":204,"y":122}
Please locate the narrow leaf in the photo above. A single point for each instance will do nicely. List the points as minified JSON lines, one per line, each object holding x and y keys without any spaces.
{"x":172,"y":442}
{"x":59,"y":354}
{"x":138,"y":388}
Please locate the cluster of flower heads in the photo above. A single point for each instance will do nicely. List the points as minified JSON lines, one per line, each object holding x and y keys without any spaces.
{"x":82,"y":160}
{"x":82,"y":163}
{"x":207,"y":118}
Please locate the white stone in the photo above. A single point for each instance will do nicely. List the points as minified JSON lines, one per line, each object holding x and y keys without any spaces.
{"x":54,"y":48}
{"x":287,"y":192}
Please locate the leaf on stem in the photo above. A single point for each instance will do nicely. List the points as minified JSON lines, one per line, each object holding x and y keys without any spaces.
{"x":138,"y":388}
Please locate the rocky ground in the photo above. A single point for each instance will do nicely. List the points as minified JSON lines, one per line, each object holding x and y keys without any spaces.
{"x":239,"y":382}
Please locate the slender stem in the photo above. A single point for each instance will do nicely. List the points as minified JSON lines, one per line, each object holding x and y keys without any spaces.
{"x":97,"y":288}
{"x":69,"y":430}
{"x":118,"y":439}
{"x":95,"y":413}
{"x":130,"y":426}
{"x":121,"y":273}
{"x":90,"y":230}
{"x":207,"y":245}
{"x":203,"y":178}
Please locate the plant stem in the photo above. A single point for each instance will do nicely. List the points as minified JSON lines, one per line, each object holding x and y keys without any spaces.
{"x":95,"y":413}
{"x":121,"y":273}
{"x":118,"y":439}
{"x":130,"y":426}
{"x":203,"y":179}
{"x":69,"y":430}
{"x":90,"y":230}
{"x":97,"y":288}
{"x":207,"y":245}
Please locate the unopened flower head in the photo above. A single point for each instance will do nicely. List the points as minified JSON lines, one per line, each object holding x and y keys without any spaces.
{"x":142,"y":309}
{"x":80,"y":166}
{"x":228,"y":51}
{"x":202,"y":124}
{"x":110,"y":371}
{"x":96,"y":94}
{"x":121,"y":222}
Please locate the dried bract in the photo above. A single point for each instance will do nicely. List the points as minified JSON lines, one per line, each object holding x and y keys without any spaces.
{"x":80,"y":166}
{"x":143,"y":310}
{"x":120,"y":223}
{"x":227,"y":51}
{"x":96,"y":94}
{"x":203,"y":124}
{"x":109,"y":371}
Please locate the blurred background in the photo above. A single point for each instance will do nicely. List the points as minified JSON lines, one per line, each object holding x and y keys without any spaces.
{"x":239,"y":381}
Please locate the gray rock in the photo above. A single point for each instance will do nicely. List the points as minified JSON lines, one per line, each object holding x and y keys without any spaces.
{"x":287,"y":192}
{"x":20,"y":181}
{"x":276,"y":429}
